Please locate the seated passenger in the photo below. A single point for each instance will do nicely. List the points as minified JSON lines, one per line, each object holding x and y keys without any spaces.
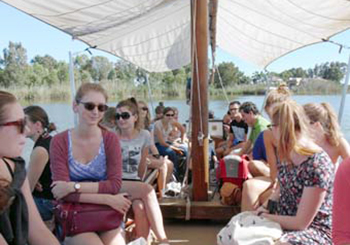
{"x":251,"y":116}
{"x":20,"y":222}
{"x":135,"y":143}
{"x":39,"y":173}
{"x":164,"y":143}
{"x":86,"y":164}
{"x":306,"y":175}
{"x":256,"y":190}
{"x":154,"y":160}
{"x":341,"y":204}
{"x":238,"y":131}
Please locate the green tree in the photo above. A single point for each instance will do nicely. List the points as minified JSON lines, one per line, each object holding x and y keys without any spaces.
{"x":230,"y":75}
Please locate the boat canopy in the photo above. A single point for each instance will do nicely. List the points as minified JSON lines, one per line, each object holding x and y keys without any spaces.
{"x":155,"y":34}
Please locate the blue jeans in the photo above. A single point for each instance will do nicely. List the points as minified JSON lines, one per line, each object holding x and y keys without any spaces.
{"x":173,"y":156}
{"x":45,"y":208}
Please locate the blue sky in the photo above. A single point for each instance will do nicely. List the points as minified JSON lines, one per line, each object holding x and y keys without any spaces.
{"x":41,"y":39}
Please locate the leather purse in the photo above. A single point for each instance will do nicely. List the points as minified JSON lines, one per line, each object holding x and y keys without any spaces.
{"x":76,"y":218}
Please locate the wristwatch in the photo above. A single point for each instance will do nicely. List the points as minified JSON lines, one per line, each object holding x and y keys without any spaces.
{"x":77,"y":186}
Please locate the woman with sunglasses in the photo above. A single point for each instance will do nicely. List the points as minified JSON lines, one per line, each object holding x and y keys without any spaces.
{"x":86,"y":164}
{"x":135,"y":143}
{"x":163,"y":140}
{"x":20,"y":222}
{"x":306,"y":175}
{"x":39,"y":173}
{"x":154,"y":160}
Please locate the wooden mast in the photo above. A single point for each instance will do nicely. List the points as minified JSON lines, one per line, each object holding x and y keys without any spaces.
{"x":200,"y":100}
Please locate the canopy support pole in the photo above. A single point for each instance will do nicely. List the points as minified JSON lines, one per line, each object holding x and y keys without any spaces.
{"x":72,"y":83}
{"x":345,"y":89}
{"x":199,"y":139}
{"x":150,"y":95}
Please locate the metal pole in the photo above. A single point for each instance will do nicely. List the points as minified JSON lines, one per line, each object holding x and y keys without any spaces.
{"x":345,"y":89}
{"x":150,"y":95}
{"x":267,"y":91}
{"x":72,"y":83}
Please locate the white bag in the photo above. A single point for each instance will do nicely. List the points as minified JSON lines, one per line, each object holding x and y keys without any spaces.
{"x":140,"y":241}
{"x":247,"y":228}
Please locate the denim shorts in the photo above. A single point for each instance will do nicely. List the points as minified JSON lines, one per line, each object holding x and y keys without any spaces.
{"x":45,"y":208}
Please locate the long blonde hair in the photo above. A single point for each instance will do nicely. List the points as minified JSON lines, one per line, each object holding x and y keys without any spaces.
{"x":146,"y":122}
{"x":279,"y":94}
{"x":292,"y":122}
{"x":325,"y":115}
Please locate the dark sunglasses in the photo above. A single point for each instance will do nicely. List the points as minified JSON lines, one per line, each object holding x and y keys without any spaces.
{"x":169,"y":115}
{"x":123,"y":115}
{"x":91,"y":106}
{"x":20,"y":124}
{"x":144,"y":108}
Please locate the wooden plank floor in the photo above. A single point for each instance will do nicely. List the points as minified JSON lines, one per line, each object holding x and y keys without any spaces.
{"x":211,"y":210}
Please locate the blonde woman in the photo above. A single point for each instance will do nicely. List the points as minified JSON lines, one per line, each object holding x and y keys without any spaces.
{"x":306,"y":175}
{"x":326,"y":130}
{"x":264,"y":162}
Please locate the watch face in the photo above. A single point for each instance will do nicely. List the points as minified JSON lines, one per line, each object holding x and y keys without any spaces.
{"x":76,"y":186}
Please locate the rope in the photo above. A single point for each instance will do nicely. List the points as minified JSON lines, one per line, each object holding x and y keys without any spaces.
{"x":200,"y":133}
{"x":222,"y":85}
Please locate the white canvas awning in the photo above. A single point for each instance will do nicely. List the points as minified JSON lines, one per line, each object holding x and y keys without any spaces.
{"x":155,"y":34}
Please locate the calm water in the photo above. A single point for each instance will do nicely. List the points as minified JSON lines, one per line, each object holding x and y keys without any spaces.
{"x":62,"y":115}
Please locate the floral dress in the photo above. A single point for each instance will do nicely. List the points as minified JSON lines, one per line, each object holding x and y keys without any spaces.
{"x":316,"y":171}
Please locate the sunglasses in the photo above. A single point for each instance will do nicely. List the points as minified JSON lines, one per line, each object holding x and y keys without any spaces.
{"x":123,"y":115}
{"x":20,"y":124}
{"x":169,"y":115}
{"x":91,"y":106}
{"x":144,"y":108}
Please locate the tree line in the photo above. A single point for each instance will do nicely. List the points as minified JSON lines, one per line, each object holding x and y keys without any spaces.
{"x":15,"y":70}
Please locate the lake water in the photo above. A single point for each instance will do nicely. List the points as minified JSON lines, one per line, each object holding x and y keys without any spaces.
{"x":62,"y":115}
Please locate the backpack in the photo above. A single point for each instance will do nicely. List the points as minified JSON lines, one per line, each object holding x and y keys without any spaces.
{"x":233,"y":169}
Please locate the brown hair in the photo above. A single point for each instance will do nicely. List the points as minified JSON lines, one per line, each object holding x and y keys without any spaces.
{"x":5,"y":99}
{"x":147,"y":120}
{"x":132,"y":106}
{"x":6,"y":195}
{"x":280,"y":94}
{"x":291,"y":120}
{"x":37,"y":114}
{"x":167,"y":109}
{"x":90,"y":87}
{"x":325,"y":115}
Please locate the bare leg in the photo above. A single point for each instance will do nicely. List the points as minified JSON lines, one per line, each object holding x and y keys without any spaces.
{"x":252,"y":188}
{"x":145,"y":192}
{"x":141,"y":221}
{"x":259,"y":168}
{"x":113,"y":237}
{"x":88,"y":238}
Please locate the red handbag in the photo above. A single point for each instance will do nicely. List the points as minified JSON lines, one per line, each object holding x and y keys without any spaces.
{"x":76,"y":218}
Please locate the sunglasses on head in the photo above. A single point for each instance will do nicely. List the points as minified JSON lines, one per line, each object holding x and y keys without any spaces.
{"x":123,"y":115}
{"x":169,"y":115}
{"x":20,"y":124}
{"x":91,"y":106}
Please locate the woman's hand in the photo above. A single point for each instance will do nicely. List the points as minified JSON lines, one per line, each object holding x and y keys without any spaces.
{"x":177,"y":150}
{"x":38,"y":187}
{"x":119,"y":202}
{"x":260,"y":211}
{"x":61,"y":189}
